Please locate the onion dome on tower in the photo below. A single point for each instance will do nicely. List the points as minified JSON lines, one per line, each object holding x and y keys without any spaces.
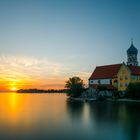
{"x":132,"y":55}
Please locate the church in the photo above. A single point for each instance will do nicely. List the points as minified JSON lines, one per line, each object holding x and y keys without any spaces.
{"x":117,"y":76}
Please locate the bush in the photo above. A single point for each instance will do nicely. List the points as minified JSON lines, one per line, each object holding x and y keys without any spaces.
{"x":74,"y":86}
{"x":115,"y":94}
{"x":133,"y":90}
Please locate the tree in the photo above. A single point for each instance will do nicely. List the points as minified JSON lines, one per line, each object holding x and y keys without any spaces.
{"x":133,"y":90}
{"x":75,"y":87}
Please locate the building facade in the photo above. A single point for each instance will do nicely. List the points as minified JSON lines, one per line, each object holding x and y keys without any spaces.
{"x":117,"y":76}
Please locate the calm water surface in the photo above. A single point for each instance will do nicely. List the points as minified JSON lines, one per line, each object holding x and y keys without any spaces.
{"x":53,"y":117}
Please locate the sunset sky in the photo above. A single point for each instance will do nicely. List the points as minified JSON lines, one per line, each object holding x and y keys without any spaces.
{"x":44,"y":42}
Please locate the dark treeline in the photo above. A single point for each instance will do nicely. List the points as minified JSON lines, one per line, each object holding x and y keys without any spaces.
{"x":41,"y":91}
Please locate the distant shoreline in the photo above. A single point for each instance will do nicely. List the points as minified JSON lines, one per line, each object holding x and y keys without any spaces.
{"x":41,"y":91}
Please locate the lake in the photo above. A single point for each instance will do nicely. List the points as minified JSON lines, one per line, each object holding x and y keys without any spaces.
{"x":54,"y":117}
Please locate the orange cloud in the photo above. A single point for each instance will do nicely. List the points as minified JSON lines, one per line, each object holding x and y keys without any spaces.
{"x":24,"y":72}
{"x":20,"y":72}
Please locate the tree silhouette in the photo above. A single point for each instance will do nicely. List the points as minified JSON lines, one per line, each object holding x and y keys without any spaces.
{"x":75,"y":86}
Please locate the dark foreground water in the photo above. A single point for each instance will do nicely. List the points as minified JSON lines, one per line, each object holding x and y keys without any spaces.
{"x":53,"y":117}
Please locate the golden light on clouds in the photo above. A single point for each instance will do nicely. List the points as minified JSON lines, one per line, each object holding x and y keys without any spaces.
{"x":24,"y":72}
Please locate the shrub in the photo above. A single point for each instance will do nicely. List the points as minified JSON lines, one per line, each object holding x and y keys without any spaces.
{"x":115,"y":94}
{"x":133,"y":90}
{"x":74,"y":86}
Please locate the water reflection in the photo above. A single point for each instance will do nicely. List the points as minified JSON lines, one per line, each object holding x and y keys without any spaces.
{"x":112,"y":115}
{"x":75,"y":109}
{"x":31,"y":116}
{"x":108,"y":120}
{"x":45,"y":116}
{"x":132,"y":123}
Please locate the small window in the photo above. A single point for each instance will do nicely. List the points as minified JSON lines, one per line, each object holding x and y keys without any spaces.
{"x":126,"y":78}
{"x":121,"y":78}
{"x":126,"y":84}
{"x":91,"y":81}
{"x":121,"y":85}
{"x":123,"y":71}
{"x":132,"y":77}
{"x":99,"y":82}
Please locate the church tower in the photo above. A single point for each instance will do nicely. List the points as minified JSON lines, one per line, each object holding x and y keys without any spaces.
{"x":132,"y":55}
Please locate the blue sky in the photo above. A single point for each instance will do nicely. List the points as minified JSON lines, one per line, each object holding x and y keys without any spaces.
{"x":72,"y":36}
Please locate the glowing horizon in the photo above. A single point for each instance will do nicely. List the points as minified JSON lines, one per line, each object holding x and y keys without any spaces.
{"x":23,"y":72}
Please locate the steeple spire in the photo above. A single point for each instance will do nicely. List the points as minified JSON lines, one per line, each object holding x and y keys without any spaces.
{"x":131,"y":41}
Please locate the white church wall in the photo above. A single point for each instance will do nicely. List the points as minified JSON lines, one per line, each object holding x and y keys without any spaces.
{"x":100,"y":81}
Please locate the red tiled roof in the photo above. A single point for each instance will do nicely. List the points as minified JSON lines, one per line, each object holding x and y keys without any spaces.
{"x":109,"y":87}
{"x":135,"y":70}
{"x":108,"y":71}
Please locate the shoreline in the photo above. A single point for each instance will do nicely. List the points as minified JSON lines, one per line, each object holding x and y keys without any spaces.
{"x":109,"y":99}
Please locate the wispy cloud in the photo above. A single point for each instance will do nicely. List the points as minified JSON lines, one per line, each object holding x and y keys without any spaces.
{"x":32,"y":72}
